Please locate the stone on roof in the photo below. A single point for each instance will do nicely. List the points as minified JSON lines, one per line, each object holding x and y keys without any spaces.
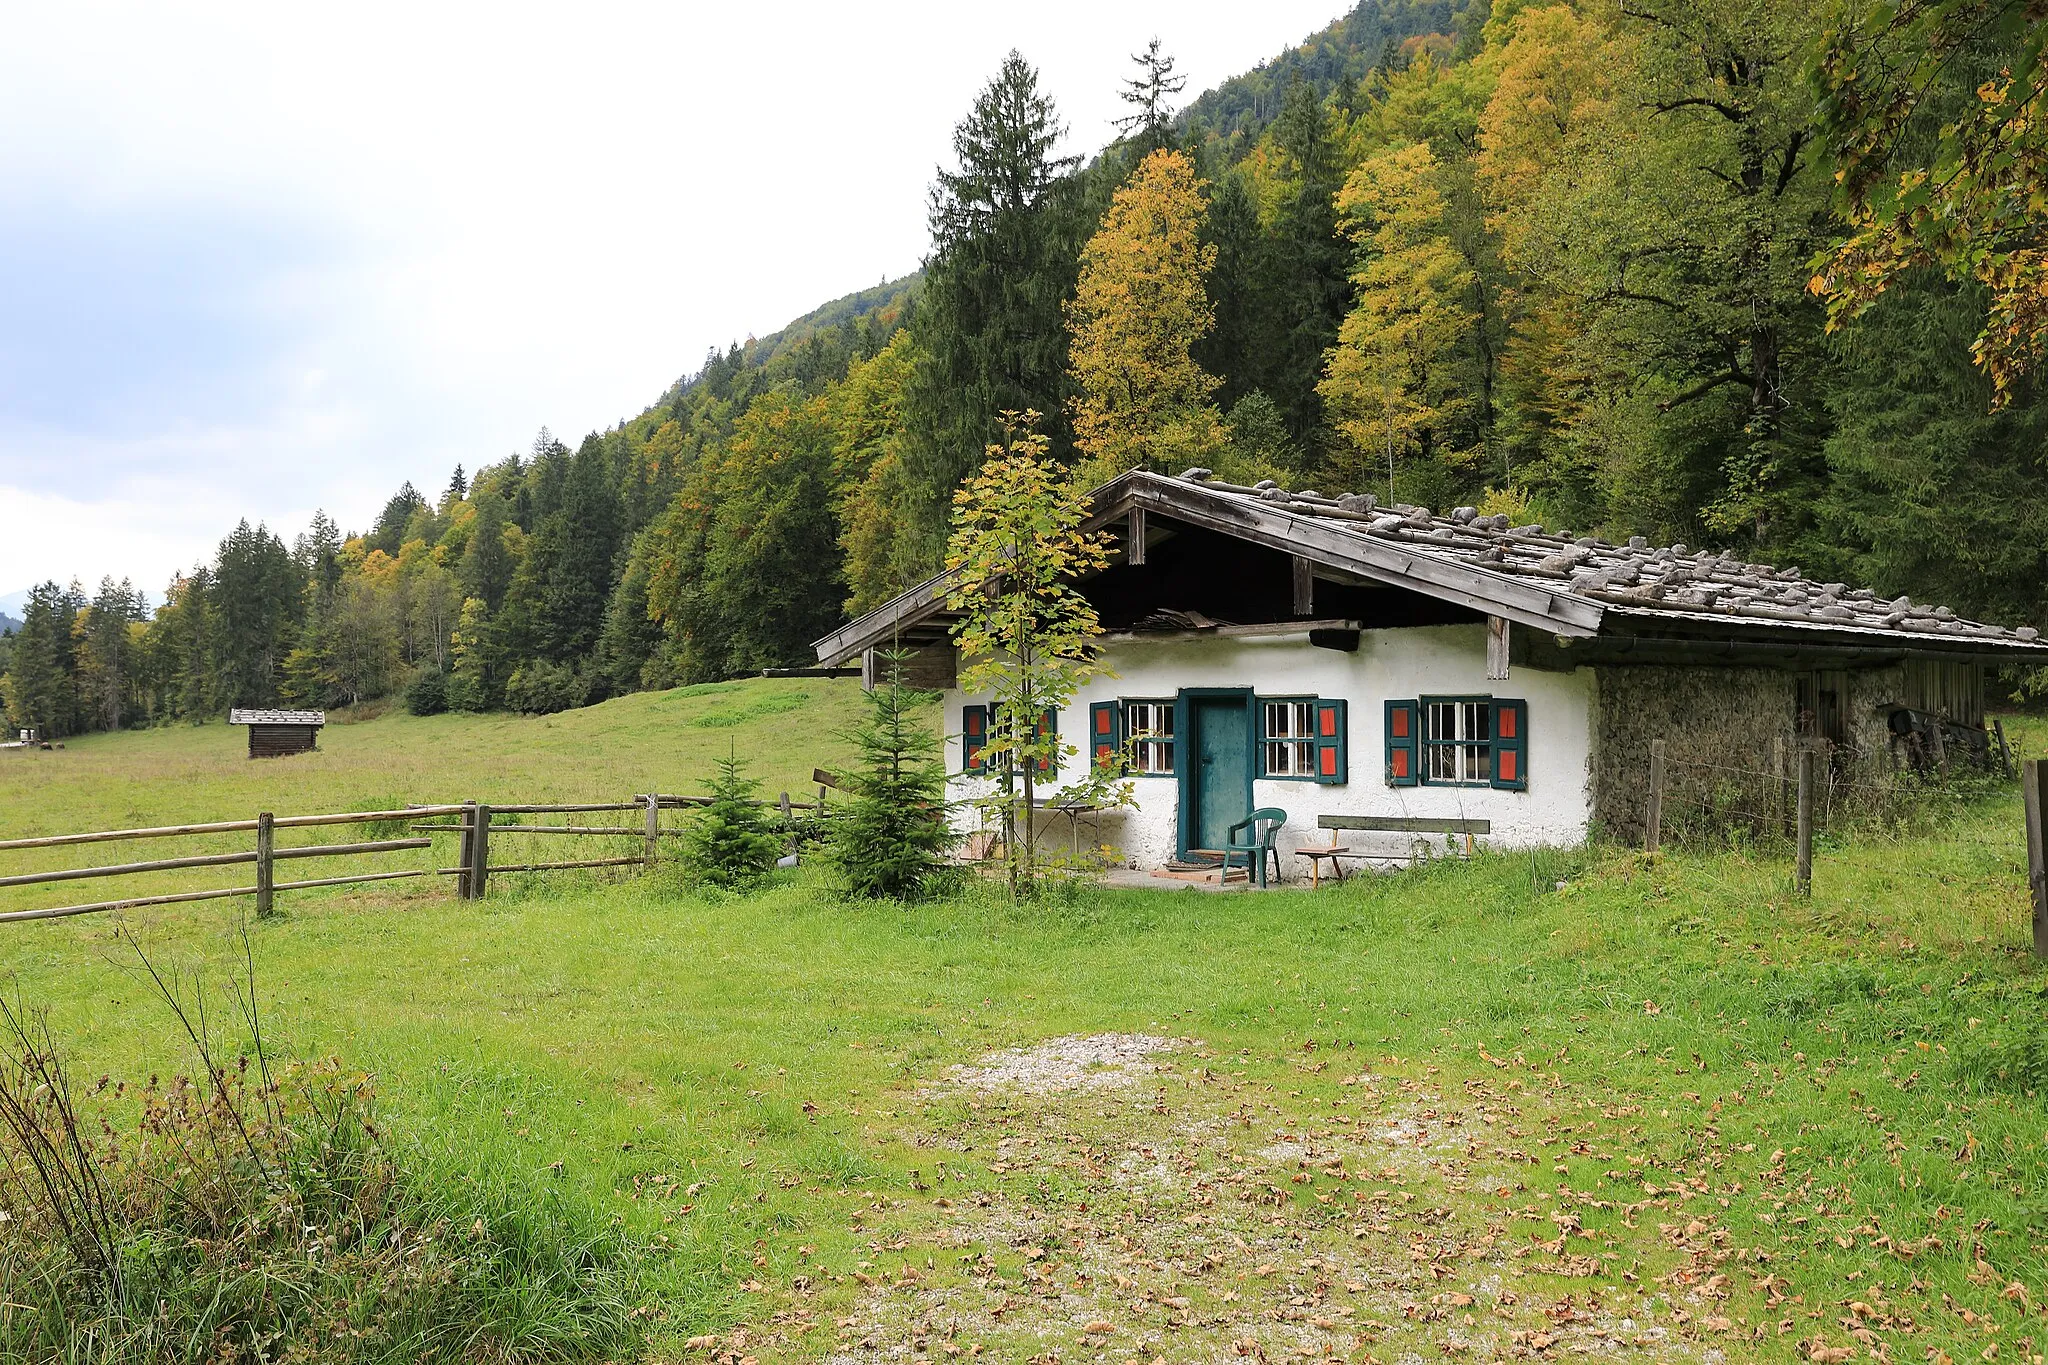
{"x":1635,"y":577}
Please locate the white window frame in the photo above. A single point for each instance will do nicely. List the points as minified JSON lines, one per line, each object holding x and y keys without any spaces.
{"x":1463,"y":757}
{"x":1151,"y":747}
{"x":1287,"y":751}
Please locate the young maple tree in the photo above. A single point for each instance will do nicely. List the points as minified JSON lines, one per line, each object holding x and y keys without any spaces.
{"x":1027,"y":637}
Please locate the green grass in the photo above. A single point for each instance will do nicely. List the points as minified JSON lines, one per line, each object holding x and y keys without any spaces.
{"x":186,"y":774}
{"x":1618,"y":1092}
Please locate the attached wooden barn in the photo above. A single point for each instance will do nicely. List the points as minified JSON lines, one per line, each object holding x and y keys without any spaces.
{"x":277,"y":734}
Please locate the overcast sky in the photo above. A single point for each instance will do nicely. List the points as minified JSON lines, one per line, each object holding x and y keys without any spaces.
{"x":259,"y":260}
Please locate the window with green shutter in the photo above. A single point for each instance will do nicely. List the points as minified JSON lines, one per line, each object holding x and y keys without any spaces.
{"x":1302,"y":739}
{"x":1458,"y":742}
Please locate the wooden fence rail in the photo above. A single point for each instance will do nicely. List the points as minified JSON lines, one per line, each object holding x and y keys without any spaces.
{"x":475,"y":824}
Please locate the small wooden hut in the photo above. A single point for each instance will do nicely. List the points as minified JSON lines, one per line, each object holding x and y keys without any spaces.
{"x":275,"y":734}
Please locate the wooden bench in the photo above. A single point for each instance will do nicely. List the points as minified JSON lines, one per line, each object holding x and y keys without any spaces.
{"x":1386,"y":824}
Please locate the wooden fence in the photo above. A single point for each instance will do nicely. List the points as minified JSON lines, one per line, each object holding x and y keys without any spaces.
{"x":474,"y":829}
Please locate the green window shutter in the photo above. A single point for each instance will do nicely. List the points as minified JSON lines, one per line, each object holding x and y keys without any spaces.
{"x":1048,"y":726}
{"x":973,"y":735}
{"x":1105,"y":735}
{"x":1333,"y":763}
{"x":1404,"y":744}
{"x":1511,"y":745}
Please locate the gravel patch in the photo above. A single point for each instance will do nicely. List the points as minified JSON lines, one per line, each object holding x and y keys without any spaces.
{"x":1096,"y":1061}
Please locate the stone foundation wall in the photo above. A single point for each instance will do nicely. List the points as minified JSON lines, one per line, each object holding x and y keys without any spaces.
{"x":1725,"y":717}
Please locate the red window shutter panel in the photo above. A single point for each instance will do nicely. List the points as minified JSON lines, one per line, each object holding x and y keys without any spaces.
{"x":1333,"y":762}
{"x":1511,"y":744}
{"x":1403,"y":765}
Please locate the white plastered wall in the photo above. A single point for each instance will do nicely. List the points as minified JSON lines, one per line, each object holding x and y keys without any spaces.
{"x":1389,"y":664}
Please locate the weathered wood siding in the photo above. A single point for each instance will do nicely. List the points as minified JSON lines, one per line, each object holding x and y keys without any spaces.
{"x":279,"y":741}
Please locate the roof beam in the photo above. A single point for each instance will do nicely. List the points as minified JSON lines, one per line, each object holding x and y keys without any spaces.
{"x":1340,"y":546}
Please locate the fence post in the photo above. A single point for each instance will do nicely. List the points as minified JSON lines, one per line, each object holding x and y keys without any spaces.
{"x":1777,"y":814}
{"x":784,"y":804}
{"x":2034,"y":787}
{"x":265,"y":881}
{"x":468,"y":855}
{"x":1802,"y":876}
{"x":1653,"y":819}
{"x":480,"y":853}
{"x":653,"y":829}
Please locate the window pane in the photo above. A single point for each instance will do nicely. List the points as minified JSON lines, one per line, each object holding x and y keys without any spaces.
{"x":1151,"y":733}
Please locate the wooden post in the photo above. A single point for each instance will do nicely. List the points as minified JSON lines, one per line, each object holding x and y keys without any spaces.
{"x":468,"y":858}
{"x":1934,"y":733}
{"x":1134,"y":537}
{"x":265,"y":884}
{"x":784,"y":804}
{"x":1777,"y":811}
{"x":1304,"y":587}
{"x":1802,"y":874}
{"x":1497,"y":648}
{"x":480,"y":853}
{"x":2034,"y":787}
{"x":653,"y":829}
{"x":1653,"y":820}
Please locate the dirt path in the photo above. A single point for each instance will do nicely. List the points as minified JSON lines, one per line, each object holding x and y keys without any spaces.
{"x":1128,"y":1198}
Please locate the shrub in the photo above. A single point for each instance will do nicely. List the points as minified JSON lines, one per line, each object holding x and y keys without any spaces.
{"x":888,"y":840}
{"x":540,"y":688}
{"x":730,"y":843}
{"x":427,"y":693}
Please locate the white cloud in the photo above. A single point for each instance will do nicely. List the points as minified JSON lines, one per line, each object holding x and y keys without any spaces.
{"x":312,"y":252}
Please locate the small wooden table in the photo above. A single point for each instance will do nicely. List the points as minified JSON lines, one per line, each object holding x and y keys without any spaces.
{"x":1315,"y":858}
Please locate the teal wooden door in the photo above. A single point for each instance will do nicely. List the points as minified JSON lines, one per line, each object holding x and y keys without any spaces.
{"x":1218,"y":791}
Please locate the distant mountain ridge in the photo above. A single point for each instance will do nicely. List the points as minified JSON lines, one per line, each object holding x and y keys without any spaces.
{"x":8,"y":625}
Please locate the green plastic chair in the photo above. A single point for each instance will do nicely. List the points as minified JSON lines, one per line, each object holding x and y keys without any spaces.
{"x":1260,"y":828}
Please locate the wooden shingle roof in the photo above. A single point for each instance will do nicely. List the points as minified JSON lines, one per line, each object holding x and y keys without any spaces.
{"x":1568,"y":586}
{"x":1636,"y":577}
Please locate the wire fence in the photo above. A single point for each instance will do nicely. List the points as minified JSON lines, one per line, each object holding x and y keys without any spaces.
{"x":1818,"y":800}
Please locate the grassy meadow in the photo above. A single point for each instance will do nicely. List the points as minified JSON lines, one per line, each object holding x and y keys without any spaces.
{"x":189,"y":774}
{"x":1524,"y":1107}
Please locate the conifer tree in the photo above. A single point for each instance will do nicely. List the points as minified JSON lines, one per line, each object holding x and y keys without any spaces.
{"x":1143,"y":401}
{"x":40,"y":694}
{"x":991,"y":337}
{"x":729,"y":843}
{"x":888,"y":840}
{"x":1303,"y":279}
{"x":1149,"y":126}
{"x":486,"y":570}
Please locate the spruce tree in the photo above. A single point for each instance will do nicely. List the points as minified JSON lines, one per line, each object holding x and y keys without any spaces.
{"x":486,"y":570}
{"x":1006,"y":232}
{"x":1304,"y":271}
{"x":730,"y":844}
{"x":1149,"y":126}
{"x":888,"y":842}
{"x":40,"y":695}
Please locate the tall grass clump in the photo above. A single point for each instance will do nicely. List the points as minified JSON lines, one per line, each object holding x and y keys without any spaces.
{"x":246,"y":1214}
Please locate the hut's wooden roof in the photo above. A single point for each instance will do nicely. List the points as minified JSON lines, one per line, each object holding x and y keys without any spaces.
{"x":252,"y":715}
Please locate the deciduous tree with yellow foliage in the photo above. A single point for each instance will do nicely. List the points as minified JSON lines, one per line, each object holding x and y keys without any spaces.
{"x":1386,"y":383}
{"x":1140,"y":307}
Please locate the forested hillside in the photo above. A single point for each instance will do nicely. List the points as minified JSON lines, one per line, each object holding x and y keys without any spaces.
{"x":1764,"y":278}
